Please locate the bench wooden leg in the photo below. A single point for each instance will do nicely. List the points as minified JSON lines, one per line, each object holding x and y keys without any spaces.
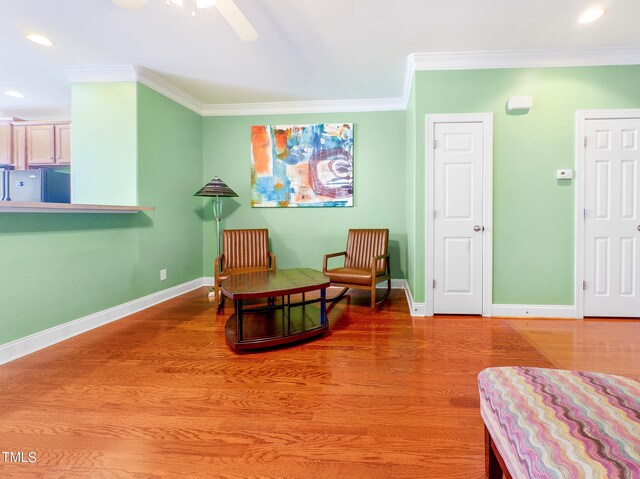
{"x":493,"y":463}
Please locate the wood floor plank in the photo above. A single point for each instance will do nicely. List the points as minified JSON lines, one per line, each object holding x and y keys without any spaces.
{"x":382,"y":395}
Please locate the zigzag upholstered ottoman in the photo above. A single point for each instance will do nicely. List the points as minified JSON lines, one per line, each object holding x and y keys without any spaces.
{"x":554,"y":424}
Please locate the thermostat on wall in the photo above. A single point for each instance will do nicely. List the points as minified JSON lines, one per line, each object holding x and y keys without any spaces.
{"x":564,"y":174}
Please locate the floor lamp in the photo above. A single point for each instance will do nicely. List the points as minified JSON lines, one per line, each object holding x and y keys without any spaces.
{"x":218,"y":189}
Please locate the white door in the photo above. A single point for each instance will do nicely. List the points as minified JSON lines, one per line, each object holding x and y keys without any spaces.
{"x":458,"y":223}
{"x":612,"y":218}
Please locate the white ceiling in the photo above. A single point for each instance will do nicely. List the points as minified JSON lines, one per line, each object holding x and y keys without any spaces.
{"x":308,"y":50}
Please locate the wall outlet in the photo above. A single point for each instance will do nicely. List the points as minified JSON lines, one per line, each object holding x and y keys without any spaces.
{"x":163,"y":274}
{"x":564,"y":174}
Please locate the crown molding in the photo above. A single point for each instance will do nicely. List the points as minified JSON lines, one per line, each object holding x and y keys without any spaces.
{"x":478,"y":60}
{"x":131,"y":73}
{"x":525,"y":58}
{"x":162,"y":86}
{"x":409,"y":70}
{"x":474,"y":60}
{"x":275,"y":108}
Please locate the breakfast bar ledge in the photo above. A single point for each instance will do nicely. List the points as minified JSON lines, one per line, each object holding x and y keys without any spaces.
{"x":24,"y":207}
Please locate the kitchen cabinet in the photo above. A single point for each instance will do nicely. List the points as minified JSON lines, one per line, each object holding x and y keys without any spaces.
{"x":35,"y":144}
{"x":18,"y":152}
{"x":5,"y":143}
{"x":47,"y":144}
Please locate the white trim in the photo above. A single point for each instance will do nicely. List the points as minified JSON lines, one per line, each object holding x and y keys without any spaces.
{"x":292,"y":107}
{"x":487,"y":244}
{"x":131,"y":73}
{"x":160,"y":85}
{"x":526,"y":58}
{"x":43,"y":339}
{"x":533,"y":311}
{"x":478,"y":60}
{"x":581,"y":118}
{"x":415,"y":309}
{"x":409,"y":70}
{"x":415,"y":62}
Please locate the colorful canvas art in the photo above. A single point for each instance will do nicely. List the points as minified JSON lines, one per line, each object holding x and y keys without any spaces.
{"x":302,"y":165}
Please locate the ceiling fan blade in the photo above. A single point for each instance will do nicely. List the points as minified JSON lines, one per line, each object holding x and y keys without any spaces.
{"x":130,"y":4}
{"x":237,"y":20}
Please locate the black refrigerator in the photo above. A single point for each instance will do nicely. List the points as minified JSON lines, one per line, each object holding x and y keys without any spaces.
{"x":35,"y":186}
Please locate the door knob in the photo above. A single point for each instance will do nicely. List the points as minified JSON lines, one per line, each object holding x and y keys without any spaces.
{"x":638,"y":227}
{"x":479,"y":228}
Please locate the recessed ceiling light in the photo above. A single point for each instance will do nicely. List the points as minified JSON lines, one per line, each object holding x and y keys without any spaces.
{"x":39,"y":39}
{"x":591,"y":15}
{"x":14,"y":93}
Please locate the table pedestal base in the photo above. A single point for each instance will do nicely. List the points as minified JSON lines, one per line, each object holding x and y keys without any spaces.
{"x":275,"y":324}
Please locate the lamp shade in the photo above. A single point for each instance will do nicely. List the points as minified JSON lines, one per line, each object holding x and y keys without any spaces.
{"x":216,"y":187}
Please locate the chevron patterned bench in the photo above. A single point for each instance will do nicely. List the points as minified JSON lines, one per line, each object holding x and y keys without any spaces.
{"x":555,"y":424}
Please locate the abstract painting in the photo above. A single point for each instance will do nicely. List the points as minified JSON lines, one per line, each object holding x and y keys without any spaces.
{"x":302,"y":165}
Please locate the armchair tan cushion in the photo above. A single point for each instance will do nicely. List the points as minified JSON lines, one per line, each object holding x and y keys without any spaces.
{"x":366,"y":262}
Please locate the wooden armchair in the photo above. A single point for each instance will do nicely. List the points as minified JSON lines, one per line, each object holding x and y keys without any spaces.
{"x":366,"y":263}
{"x":243,"y":251}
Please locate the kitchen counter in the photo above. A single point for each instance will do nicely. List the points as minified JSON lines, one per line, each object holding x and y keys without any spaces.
{"x":23,"y":207}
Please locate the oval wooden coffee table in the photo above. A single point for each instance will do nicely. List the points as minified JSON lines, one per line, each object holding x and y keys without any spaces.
{"x":273,"y":323}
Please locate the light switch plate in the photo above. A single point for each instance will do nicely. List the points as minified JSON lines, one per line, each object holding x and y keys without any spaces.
{"x":564,"y":174}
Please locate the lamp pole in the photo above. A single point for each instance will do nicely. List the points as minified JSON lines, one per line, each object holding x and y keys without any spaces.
{"x":217,"y":189}
{"x":217,"y":213}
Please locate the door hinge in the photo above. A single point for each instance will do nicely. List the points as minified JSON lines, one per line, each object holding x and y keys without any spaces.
{"x":584,"y":285}
{"x":435,"y":144}
{"x":585,"y":142}
{"x":434,"y":284}
{"x":584,"y":214}
{"x":434,"y":214}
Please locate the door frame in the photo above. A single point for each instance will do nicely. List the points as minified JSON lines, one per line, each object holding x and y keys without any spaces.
{"x":582,"y":116}
{"x":487,"y":205}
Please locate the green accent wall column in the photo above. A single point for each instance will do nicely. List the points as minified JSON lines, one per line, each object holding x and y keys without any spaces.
{"x":104,"y":168}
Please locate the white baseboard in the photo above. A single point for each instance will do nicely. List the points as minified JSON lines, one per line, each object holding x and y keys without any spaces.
{"x":30,"y":344}
{"x":415,"y":309}
{"x":43,"y":339}
{"x":503,"y":310}
{"x":534,"y":311}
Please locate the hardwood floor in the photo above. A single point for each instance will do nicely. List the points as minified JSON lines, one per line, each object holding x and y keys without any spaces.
{"x":383,"y":395}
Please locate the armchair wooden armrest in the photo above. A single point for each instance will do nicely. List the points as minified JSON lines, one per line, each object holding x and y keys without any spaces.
{"x":374,"y":260}
{"x":273,"y":261}
{"x":331,"y":255}
{"x":366,"y":262}
{"x":217,"y":265}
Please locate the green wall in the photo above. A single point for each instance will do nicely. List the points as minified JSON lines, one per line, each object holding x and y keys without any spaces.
{"x":60,"y":267}
{"x":104,"y":143}
{"x":301,"y":236}
{"x":533,"y":213}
